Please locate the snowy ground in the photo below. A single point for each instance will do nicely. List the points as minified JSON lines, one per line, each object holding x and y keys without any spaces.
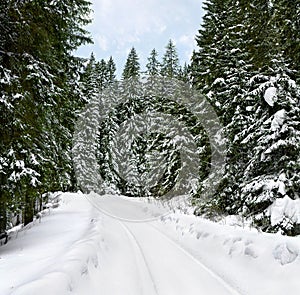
{"x":81,"y":248}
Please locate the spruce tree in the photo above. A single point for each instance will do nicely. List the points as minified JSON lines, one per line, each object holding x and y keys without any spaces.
{"x":132,"y":66}
{"x":243,"y":67}
{"x":89,"y":78}
{"x":38,"y":75}
{"x":272,"y":171}
{"x":220,"y":69}
{"x":111,"y":69}
{"x":286,"y":20}
{"x":170,"y":62}
{"x":184,"y":73}
{"x":153,"y":65}
{"x":102,"y":74}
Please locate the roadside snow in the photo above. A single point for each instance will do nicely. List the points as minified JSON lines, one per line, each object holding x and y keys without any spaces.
{"x":51,"y":256}
{"x":256,"y":263}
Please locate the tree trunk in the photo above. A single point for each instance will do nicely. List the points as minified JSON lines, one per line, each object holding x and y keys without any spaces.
{"x":29,"y":209}
{"x":3,"y":217}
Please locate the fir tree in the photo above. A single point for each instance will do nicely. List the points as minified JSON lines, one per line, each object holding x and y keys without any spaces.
{"x":102,"y":74}
{"x":132,"y":66}
{"x":153,"y":65}
{"x":170,"y":62}
{"x":220,"y":69}
{"x":286,"y":20}
{"x":89,"y":78}
{"x":239,"y":68}
{"x":184,"y":73}
{"x":38,"y":79}
{"x":273,"y":168}
{"x":111,"y":69}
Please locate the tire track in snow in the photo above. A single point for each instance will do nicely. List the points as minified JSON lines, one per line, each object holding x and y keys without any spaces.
{"x":138,"y":247}
{"x":207,"y":269}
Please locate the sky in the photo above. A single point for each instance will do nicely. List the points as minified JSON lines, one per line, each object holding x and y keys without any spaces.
{"x":119,"y":25}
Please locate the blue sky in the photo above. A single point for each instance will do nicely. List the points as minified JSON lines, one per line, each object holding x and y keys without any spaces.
{"x":145,"y":24}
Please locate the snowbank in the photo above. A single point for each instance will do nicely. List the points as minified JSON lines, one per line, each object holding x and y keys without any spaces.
{"x":250,"y":261}
{"x":52,"y":257}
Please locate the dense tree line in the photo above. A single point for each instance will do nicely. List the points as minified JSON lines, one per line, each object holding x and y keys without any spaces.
{"x":39,"y":97}
{"x":135,"y":170}
{"x":247,"y":63}
{"x":169,"y":66}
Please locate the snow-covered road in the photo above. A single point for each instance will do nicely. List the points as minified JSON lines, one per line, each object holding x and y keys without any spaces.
{"x":111,"y":245}
{"x":145,"y":260}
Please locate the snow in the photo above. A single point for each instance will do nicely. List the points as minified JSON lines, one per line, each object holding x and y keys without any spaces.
{"x":285,"y":253}
{"x":20,"y":164}
{"x":281,"y":185}
{"x":104,"y":245}
{"x":292,"y":84}
{"x":49,"y":257}
{"x":220,"y":81}
{"x":270,"y":96}
{"x":267,"y":184}
{"x":285,"y":209}
{"x":278,"y":120}
{"x":248,"y":260}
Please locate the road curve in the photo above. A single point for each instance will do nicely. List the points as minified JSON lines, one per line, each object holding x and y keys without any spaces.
{"x":142,"y":260}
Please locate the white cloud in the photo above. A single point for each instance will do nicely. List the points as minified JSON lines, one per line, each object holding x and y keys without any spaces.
{"x":162,"y":28}
{"x":126,"y":20}
{"x":188,"y":44}
{"x":186,"y":39}
{"x":121,"y":24}
{"x":101,"y":41}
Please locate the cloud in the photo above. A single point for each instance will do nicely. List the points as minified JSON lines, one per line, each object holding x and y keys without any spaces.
{"x":120,"y":24}
{"x":186,"y":39}
{"x":101,"y":41}
{"x":125,"y":21}
{"x":188,"y":44}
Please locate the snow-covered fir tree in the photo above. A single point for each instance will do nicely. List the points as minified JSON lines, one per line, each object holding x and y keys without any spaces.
{"x":286,"y":20}
{"x":38,"y":80}
{"x":272,"y":172}
{"x":89,"y":77}
{"x":240,"y":71}
{"x":102,"y":74}
{"x":153,"y":65}
{"x":111,"y":71}
{"x":132,"y":65}
{"x":184,"y":73}
{"x":170,"y":62}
